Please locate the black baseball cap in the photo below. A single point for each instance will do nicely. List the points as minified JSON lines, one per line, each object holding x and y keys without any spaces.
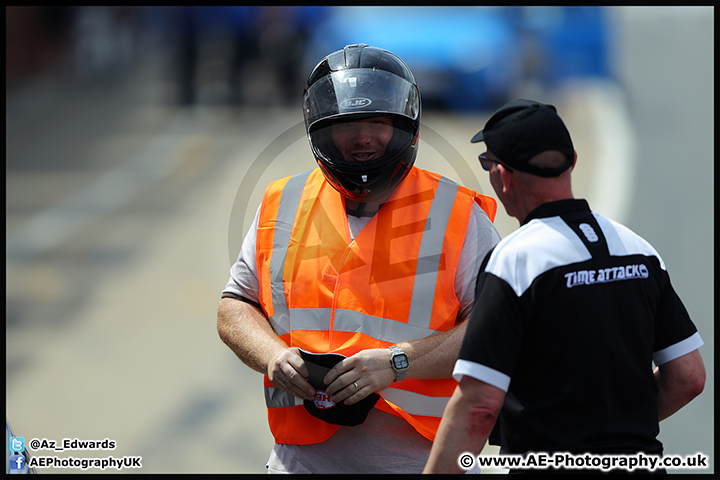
{"x":521,"y":129}
{"x":321,"y":406}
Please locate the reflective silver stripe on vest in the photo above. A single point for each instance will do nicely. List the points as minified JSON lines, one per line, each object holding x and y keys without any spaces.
{"x":310,"y":319}
{"x":318,"y":319}
{"x":415,"y":403}
{"x":377,"y":327}
{"x":428,"y":266}
{"x":289,"y":201}
{"x":411,"y":402}
{"x":277,"y":398}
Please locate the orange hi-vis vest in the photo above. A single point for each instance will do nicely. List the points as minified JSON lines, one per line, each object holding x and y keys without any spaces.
{"x":325,"y":292}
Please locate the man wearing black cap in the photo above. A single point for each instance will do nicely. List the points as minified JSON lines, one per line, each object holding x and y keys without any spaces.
{"x":571,"y":312}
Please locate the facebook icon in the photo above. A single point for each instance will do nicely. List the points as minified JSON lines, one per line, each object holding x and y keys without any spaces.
{"x":17,"y":462}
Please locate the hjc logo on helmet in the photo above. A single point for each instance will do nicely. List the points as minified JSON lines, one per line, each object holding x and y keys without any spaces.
{"x":323,"y":400}
{"x":358,"y":102}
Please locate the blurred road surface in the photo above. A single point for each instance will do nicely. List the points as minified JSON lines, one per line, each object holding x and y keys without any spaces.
{"x":125,"y":212}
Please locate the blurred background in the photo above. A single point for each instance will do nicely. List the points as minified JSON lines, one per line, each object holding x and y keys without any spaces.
{"x":139,"y":141}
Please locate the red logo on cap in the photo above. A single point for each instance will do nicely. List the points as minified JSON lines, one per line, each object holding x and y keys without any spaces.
{"x":323,"y":400}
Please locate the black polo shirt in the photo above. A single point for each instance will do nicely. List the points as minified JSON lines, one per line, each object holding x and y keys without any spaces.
{"x":572,"y":310}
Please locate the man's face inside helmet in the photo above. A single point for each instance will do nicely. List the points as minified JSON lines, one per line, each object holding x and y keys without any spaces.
{"x":362,"y":140}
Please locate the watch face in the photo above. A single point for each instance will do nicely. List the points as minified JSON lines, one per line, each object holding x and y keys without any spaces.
{"x":400,"y":361}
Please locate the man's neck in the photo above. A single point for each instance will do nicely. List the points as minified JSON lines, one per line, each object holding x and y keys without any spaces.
{"x":363,"y":209}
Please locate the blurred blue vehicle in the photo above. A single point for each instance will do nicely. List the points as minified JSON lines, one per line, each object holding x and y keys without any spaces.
{"x":473,"y":58}
{"x":462,"y":57}
{"x":564,"y":43}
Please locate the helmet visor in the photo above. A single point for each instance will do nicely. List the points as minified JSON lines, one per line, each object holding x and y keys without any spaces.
{"x":360,"y":91}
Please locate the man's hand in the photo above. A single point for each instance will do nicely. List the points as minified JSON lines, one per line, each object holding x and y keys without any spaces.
{"x":288,"y":372}
{"x":360,"y":375}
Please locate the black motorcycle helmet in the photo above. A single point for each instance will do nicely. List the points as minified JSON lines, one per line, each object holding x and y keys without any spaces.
{"x":358,"y":82}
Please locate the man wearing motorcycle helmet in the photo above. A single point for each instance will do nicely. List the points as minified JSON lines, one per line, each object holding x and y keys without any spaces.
{"x":356,"y":83}
{"x":352,"y":288}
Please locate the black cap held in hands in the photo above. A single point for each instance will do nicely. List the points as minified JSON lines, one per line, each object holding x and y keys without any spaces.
{"x":322,"y":407}
{"x":521,"y":129}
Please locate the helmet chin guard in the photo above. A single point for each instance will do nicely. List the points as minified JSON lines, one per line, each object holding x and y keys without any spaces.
{"x":354,"y":83}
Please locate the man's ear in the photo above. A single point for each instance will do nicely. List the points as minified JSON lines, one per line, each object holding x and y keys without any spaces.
{"x":506,"y":176}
